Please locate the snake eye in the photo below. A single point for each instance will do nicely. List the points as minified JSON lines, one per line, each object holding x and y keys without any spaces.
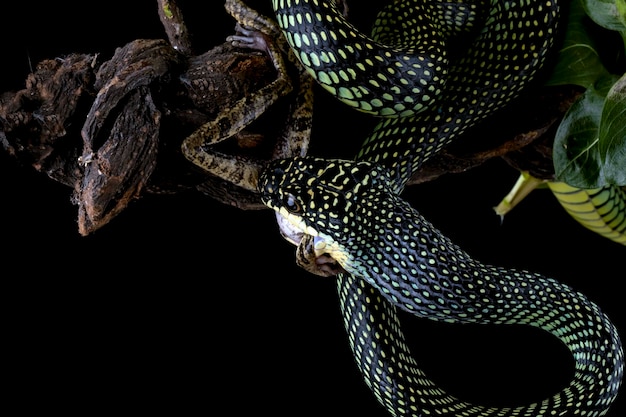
{"x":291,"y":204}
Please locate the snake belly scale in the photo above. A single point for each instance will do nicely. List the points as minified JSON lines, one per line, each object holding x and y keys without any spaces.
{"x":392,"y":256}
{"x":601,"y":210}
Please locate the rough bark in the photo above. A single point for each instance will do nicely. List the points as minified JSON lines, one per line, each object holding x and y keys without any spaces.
{"x":111,"y":128}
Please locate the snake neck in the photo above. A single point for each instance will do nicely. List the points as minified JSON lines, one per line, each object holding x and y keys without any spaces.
{"x":410,"y":263}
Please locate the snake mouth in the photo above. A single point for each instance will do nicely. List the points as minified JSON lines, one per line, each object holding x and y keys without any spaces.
{"x":310,"y":252}
{"x":327,"y":266}
{"x":310,"y":256}
{"x":288,"y":230}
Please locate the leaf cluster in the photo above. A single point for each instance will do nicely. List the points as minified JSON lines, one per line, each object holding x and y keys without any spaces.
{"x":590,"y":143}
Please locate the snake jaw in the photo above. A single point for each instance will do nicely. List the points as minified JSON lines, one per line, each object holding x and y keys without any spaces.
{"x":310,"y":258}
{"x":288,"y":230}
{"x":314,"y":253}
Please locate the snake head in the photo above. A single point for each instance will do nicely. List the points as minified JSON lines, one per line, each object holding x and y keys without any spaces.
{"x":328,"y":198}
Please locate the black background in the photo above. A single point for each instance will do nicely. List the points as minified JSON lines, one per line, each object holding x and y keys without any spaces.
{"x":182,"y":303}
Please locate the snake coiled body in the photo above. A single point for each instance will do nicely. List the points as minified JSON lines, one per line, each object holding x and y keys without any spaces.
{"x":393,"y":257}
{"x":508,"y":49}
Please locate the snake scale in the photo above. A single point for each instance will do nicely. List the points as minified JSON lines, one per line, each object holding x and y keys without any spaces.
{"x":392,"y":257}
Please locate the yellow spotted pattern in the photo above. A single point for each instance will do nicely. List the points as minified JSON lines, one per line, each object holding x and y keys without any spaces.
{"x":393,"y":256}
{"x":361,"y":71}
{"x":495,"y":68}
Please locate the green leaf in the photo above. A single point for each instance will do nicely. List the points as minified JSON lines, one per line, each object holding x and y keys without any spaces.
{"x":612,"y":134}
{"x":606,"y":13}
{"x":578,"y":61}
{"x":590,"y":145}
{"x":621,"y":11}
